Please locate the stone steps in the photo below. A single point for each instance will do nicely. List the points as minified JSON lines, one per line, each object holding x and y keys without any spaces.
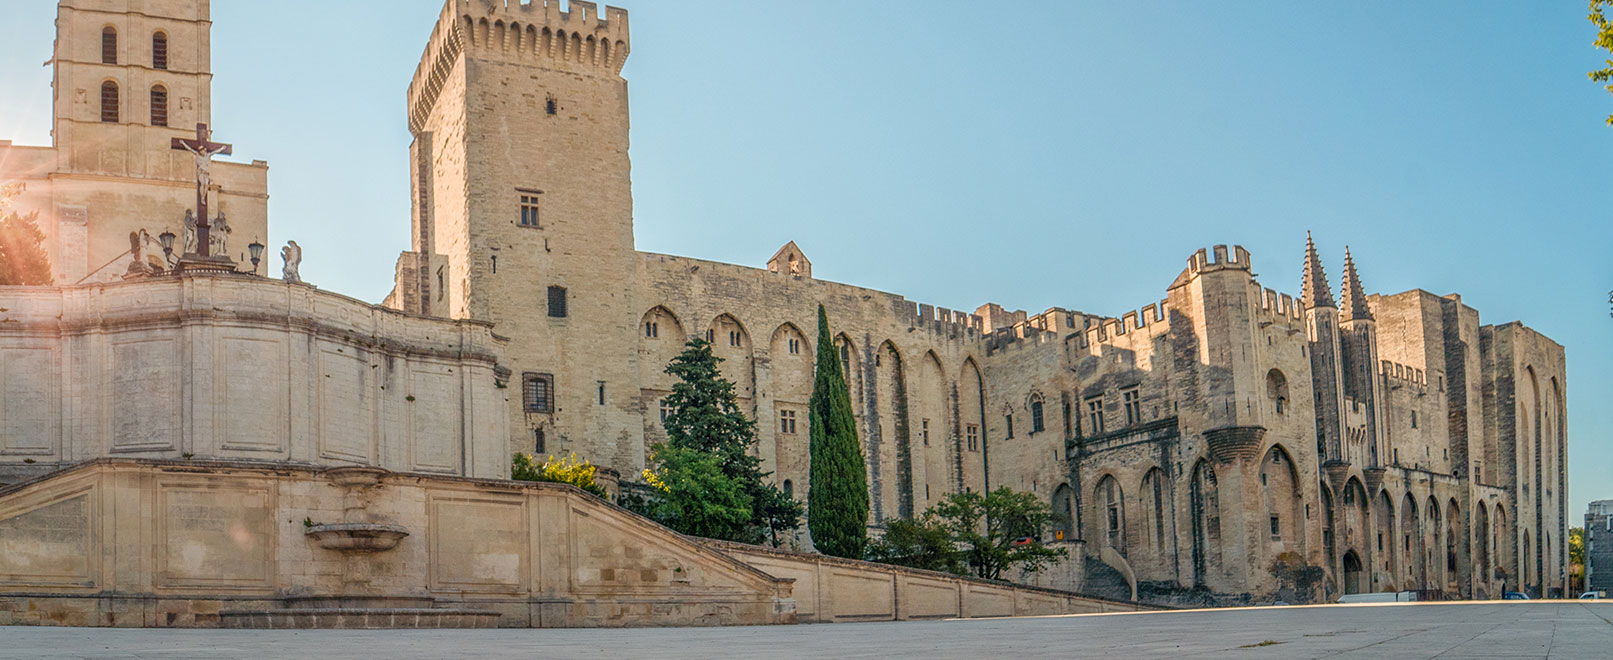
{"x":1103,"y":581}
{"x":352,"y":618}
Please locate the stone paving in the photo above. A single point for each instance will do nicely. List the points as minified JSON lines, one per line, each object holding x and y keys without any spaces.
{"x":1514,"y":629}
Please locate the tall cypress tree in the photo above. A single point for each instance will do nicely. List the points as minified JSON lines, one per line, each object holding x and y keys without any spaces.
{"x":837,"y":506}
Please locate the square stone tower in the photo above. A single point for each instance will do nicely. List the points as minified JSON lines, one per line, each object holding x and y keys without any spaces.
{"x":130,"y":75}
{"x":524,"y":211}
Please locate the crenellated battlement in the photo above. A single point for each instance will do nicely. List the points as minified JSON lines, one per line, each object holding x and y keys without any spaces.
{"x":1404,"y":375}
{"x":581,"y":39}
{"x":943,"y":320}
{"x":1281,"y":307}
{"x":1212,"y":260}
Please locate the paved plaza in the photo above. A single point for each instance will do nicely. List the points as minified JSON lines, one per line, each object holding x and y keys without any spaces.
{"x":1539,"y":629}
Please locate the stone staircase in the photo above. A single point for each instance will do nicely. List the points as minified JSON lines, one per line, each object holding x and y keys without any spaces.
{"x":1103,"y":581}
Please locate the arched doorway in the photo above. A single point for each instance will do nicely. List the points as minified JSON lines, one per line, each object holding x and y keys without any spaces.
{"x":1352,"y":572}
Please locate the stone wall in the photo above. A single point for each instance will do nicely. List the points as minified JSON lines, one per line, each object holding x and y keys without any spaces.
{"x":119,"y":542}
{"x":834,"y":590}
{"x":243,"y":368}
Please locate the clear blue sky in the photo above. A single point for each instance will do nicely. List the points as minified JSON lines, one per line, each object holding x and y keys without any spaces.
{"x":1034,"y":154}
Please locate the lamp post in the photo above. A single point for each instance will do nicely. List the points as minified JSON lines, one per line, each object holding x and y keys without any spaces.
{"x":167,"y":240}
{"x":255,"y":250}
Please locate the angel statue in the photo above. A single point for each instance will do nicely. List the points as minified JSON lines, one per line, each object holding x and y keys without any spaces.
{"x":292,"y":254}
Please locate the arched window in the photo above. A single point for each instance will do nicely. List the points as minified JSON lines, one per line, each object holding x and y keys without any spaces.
{"x":109,"y":102}
{"x":1037,"y":423}
{"x":1277,"y":390}
{"x":109,"y":45}
{"x":159,"y":51}
{"x":789,"y":489}
{"x":159,"y":105}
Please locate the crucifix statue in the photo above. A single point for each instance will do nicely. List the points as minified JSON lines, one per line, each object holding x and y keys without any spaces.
{"x":204,"y":150}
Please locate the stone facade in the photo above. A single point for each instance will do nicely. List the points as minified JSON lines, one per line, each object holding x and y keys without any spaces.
{"x":129,"y":77}
{"x":1599,"y":546}
{"x":1227,"y":436}
{"x":122,"y":542}
{"x":236,"y":367}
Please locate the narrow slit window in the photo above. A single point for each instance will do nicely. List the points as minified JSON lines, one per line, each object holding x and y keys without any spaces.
{"x":109,"y":45}
{"x":159,"y":51}
{"x":109,"y":102}
{"x":159,"y":106}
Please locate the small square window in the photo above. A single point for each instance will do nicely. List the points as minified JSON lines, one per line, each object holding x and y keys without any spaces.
{"x":1276,"y":527}
{"x":971,"y":434}
{"x":537,"y":392}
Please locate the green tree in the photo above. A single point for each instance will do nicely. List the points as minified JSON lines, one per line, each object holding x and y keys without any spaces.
{"x":999,"y":529}
{"x":22,"y":254}
{"x":695,"y":497}
{"x":980,"y":534}
{"x":1576,"y":559}
{"x":925,"y":542}
{"x":1604,"y":41}
{"x":704,"y":419}
{"x":837,"y":504}
{"x":569,"y":470}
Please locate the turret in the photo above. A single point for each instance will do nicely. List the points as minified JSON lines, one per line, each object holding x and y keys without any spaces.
{"x":1359,"y":354}
{"x":1321,"y":323}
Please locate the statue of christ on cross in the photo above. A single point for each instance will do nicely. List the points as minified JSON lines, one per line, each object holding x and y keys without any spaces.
{"x":204,"y":150}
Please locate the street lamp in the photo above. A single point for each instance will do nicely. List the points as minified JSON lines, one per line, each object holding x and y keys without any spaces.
{"x":167,"y":239}
{"x":255,"y":249}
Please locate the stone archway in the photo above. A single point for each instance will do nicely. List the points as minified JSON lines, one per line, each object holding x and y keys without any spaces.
{"x":1352,"y":572}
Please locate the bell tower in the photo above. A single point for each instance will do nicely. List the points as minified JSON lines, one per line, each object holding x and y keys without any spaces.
{"x":524,"y":212}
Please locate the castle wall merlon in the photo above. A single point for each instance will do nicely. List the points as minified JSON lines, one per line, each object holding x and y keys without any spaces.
{"x":539,"y":30}
{"x":442,"y":50}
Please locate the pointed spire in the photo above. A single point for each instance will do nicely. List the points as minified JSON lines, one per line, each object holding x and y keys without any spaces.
{"x":1355,"y":300}
{"x":1313,"y":289}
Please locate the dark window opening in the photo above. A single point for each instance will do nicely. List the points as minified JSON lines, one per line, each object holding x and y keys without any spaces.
{"x":972,"y":435}
{"x":529,"y":208}
{"x":786,"y":422}
{"x":549,"y":105}
{"x":1036,"y":417}
{"x":1134,"y":406}
{"x":537,"y":392}
{"x":159,"y":106}
{"x":537,"y":441}
{"x":733,"y":337}
{"x":109,"y":46}
{"x":652,"y":330}
{"x":1276,"y":528}
{"x":557,"y":302}
{"x":109,"y":102}
{"x":495,"y":264}
{"x":159,"y":51}
{"x":924,"y":431}
{"x":1009,"y":420}
{"x":1095,"y":415}
{"x":602,"y":393}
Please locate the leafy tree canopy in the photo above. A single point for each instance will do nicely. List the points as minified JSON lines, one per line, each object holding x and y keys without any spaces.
{"x":706,"y":469}
{"x":22,"y":252}
{"x":988,"y":533}
{"x":1604,"y":41}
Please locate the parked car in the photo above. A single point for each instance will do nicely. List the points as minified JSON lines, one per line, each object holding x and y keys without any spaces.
{"x":1593,"y":595}
{"x":1514,"y":595}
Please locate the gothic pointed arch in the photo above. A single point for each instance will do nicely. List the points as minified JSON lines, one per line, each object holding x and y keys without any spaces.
{"x":1153,"y":507}
{"x":930,"y":419}
{"x":790,"y":377}
{"x":890,"y":449}
{"x":1204,"y":505}
{"x":732,"y":342}
{"x":971,"y":424}
{"x":1283,"y":499}
{"x":1109,"y":513}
